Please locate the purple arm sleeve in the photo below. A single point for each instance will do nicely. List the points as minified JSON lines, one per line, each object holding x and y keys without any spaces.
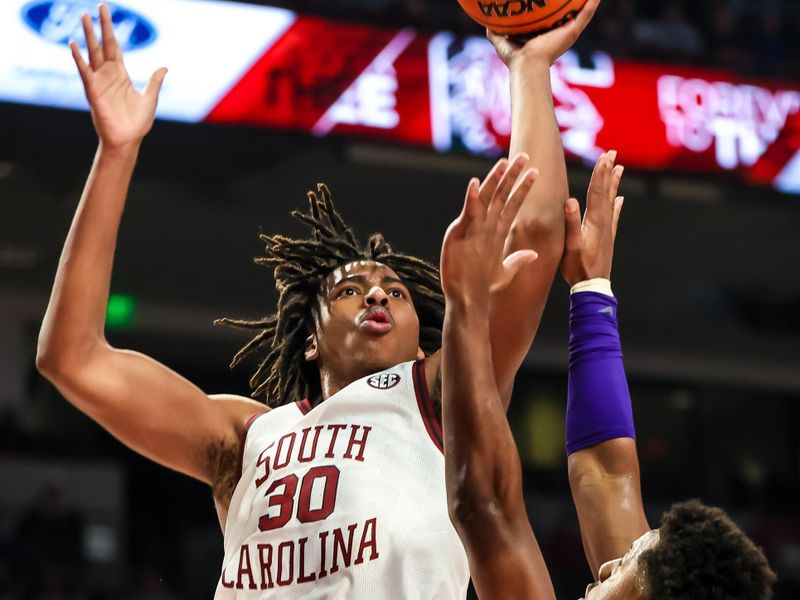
{"x":598,"y":399}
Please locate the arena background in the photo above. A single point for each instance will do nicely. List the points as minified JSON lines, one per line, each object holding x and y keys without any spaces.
{"x":706,"y":271}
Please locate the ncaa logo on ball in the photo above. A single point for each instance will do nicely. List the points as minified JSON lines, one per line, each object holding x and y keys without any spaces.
{"x":384,"y":381}
{"x":59,"y":21}
{"x":515,"y":17}
{"x":510,"y":8}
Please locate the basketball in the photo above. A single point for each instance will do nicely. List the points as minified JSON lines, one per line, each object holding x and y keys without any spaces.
{"x":517,"y":17}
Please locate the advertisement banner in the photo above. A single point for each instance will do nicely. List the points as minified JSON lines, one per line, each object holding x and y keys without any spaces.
{"x":207,"y":47}
{"x":266,"y":67}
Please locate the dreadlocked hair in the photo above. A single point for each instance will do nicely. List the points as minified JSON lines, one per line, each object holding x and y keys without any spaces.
{"x":300,"y":269}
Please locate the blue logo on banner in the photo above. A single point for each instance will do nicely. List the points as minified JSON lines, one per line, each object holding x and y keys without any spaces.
{"x":59,"y":21}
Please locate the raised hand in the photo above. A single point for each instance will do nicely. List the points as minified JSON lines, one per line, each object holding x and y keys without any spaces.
{"x":121,"y":114}
{"x":547,"y":47}
{"x":472,"y":263}
{"x":589,"y":245}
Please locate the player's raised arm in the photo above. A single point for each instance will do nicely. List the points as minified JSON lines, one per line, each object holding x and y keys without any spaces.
{"x":603,"y":464}
{"x":148,"y":407}
{"x":482,"y":467}
{"x":517,"y":311}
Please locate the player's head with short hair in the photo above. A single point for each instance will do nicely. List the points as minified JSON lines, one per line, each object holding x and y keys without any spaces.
{"x":327,"y":284}
{"x":701,"y":553}
{"x":698,"y":553}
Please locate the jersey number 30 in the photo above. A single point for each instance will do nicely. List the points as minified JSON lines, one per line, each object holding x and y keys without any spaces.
{"x":284,"y":500}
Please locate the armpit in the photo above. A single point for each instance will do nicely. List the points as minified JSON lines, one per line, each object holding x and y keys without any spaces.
{"x":223,"y":462}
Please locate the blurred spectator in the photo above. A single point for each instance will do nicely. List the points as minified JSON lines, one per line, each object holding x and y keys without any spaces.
{"x":371,"y":9}
{"x":725,"y":41}
{"x":671,"y":34}
{"x":770,"y":47}
{"x":616,"y":30}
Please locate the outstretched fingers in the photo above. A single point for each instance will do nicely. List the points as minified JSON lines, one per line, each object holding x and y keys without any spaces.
{"x":489,"y":185}
{"x":618,"y":202}
{"x":507,"y":183}
{"x":96,"y":58}
{"x":473,"y":208}
{"x":573,"y":225}
{"x":516,"y":260}
{"x":515,"y":200}
{"x":156,"y":81}
{"x":603,"y":185}
{"x":616,"y":178}
{"x":498,"y":199}
{"x":111,"y":49}
{"x":598,"y":174}
{"x":83,"y":68}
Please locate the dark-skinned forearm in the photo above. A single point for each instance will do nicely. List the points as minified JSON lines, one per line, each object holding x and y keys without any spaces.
{"x":75,"y":317}
{"x":476,"y":432}
{"x":603,"y":462}
{"x":606,"y":490}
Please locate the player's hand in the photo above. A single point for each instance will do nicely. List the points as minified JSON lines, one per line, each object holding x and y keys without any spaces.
{"x":472,"y":264}
{"x":120,"y":113}
{"x":589,"y":245}
{"x":547,"y":47}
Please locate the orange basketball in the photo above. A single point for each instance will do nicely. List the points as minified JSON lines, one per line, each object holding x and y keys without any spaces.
{"x":515,"y":17}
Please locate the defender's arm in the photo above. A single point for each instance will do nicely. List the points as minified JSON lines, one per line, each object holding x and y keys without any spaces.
{"x":482,"y":467}
{"x":603,"y":465}
{"x":148,"y":407}
{"x":517,"y":311}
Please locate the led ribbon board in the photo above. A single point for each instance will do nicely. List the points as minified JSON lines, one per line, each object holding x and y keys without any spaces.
{"x":207,"y":46}
{"x":250,"y":65}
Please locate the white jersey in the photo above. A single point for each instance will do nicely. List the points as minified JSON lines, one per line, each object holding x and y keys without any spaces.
{"x":345,"y":500}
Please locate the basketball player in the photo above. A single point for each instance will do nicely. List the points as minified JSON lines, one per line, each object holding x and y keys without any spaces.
{"x":338,"y":491}
{"x":697,"y":553}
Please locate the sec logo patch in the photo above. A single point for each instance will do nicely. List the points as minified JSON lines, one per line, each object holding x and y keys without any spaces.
{"x":384,"y":381}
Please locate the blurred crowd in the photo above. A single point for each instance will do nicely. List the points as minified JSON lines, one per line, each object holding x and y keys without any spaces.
{"x":750,"y":38}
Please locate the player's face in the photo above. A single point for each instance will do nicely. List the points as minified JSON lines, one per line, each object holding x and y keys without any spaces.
{"x":623,"y":578}
{"x":367,"y":321}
